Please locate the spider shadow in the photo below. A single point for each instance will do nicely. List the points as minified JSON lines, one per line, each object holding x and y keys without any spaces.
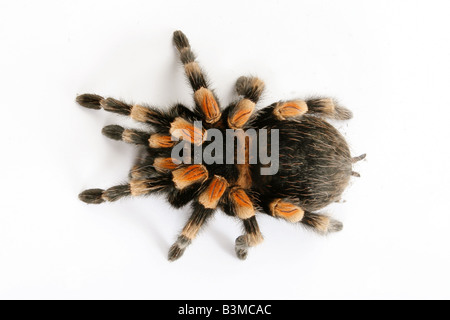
{"x":223,"y":241}
{"x":142,"y":219}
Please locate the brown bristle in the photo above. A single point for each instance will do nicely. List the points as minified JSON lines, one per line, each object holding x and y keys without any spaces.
{"x":290,"y":109}
{"x":183,"y":129}
{"x":208,"y":104}
{"x":211,"y":196}
{"x":242,"y":204}
{"x":187,"y":176}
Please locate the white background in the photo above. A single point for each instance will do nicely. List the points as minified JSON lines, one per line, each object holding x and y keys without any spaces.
{"x":388,"y":61}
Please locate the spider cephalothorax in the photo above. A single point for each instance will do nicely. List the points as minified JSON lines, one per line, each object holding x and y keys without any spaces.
{"x":313,"y":167}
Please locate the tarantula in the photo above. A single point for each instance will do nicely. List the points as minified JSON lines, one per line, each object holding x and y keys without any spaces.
{"x":314,"y":168}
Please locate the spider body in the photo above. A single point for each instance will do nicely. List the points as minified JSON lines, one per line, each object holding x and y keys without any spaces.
{"x":314,"y":164}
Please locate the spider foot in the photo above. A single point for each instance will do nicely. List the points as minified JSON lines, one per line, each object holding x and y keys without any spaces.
{"x":241,"y":248}
{"x":90,"y":101}
{"x":92,"y":196}
{"x":178,"y":248}
{"x":335,"y":226}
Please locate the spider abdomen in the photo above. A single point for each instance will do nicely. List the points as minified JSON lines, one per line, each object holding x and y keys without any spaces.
{"x":315,"y":164}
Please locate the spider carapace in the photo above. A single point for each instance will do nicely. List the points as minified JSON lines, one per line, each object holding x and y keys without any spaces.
{"x":314,"y":161}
